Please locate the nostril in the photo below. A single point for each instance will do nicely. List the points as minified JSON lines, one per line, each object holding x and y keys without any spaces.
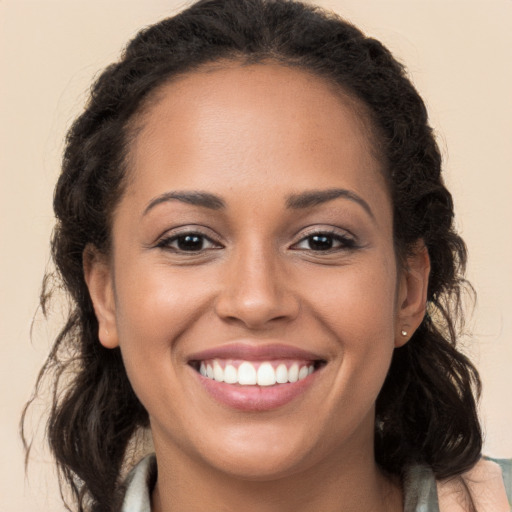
{"x":255,"y":315}
{"x":255,"y":299}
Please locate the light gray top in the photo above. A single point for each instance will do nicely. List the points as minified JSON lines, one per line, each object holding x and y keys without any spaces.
{"x":420,"y":493}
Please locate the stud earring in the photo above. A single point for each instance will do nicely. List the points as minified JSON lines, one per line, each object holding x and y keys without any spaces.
{"x":404,"y":333}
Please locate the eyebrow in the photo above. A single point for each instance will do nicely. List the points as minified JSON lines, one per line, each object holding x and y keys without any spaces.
{"x":294,"y":202}
{"x":195,"y":198}
{"x":317,"y":197}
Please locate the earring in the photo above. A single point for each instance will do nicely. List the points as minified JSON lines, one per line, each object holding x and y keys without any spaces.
{"x":404,"y":333}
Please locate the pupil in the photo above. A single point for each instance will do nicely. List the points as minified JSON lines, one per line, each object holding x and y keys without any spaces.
{"x":320,"y":242}
{"x":190,"y":243}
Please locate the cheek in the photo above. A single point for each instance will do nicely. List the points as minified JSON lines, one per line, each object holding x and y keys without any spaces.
{"x":156,"y":301}
{"x":357,"y":306}
{"x":355,"y":298}
{"x":154,"y":308}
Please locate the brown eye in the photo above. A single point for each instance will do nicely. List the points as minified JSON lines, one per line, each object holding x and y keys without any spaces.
{"x":187,"y":242}
{"x":325,"y":242}
{"x":190,"y":242}
{"x":320,"y":242}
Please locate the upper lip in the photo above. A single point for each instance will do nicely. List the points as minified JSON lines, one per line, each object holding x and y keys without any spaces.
{"x":255,"y":352}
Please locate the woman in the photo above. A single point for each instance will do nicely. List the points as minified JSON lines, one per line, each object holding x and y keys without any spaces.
{"x":260,"y":249}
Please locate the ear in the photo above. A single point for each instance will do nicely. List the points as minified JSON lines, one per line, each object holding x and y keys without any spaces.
{"x":412,"y":293}
{"x":98,"y":276}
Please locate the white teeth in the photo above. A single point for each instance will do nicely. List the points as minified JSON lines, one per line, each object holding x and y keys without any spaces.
{"x":246,"y":374}
{"x":266,"y":375}
{"x":293,"y":373}
{"x":218,"y":372}
{"x":281,"y":374}
{"x":303,"y":372}
{"x":230,"y":374}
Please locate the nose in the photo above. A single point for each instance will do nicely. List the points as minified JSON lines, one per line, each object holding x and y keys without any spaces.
{"x":256,"y":290}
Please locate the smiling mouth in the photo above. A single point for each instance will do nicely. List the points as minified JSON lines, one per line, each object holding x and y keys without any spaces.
{"x":256,"y":373}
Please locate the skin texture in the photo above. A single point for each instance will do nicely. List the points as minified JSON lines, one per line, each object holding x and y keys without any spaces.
{"x":479,"y":490}
{"x":254,"y":135}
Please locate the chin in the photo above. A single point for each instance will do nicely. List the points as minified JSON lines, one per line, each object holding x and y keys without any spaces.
{"x":261,"y":457}
{"x":261,"y":467}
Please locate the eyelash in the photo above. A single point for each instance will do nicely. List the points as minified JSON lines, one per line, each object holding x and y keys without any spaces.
{"x":165,"y":243}
{"x":344,"y":242}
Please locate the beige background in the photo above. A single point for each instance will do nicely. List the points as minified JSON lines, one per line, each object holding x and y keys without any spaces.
{"x":459,"y":54}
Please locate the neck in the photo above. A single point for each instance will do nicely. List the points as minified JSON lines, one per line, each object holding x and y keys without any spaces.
{"x":348,"y":482}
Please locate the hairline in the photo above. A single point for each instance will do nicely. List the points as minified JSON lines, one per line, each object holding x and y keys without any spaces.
{"x":363,"y":112}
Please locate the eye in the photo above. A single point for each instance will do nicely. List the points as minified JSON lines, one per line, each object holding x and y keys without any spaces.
{"x":325,"y":241}
{"x":188,"y":242}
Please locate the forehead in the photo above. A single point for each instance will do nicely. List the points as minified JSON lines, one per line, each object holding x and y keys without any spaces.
{"x":225,"y":86}
{"x":228,"y":123}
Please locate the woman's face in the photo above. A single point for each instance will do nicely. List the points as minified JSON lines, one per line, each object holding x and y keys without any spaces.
{"x":254,"y":243}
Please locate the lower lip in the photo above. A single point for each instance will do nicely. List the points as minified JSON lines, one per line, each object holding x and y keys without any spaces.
{"x":256,"y":398}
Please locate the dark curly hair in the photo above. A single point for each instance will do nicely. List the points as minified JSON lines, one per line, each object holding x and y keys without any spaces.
{"x":426,"y":410}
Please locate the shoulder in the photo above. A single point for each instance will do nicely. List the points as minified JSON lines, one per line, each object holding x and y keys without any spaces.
{"x":487,"y":487}
{"x":139,"y":485}
{"x":505,"y":466}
